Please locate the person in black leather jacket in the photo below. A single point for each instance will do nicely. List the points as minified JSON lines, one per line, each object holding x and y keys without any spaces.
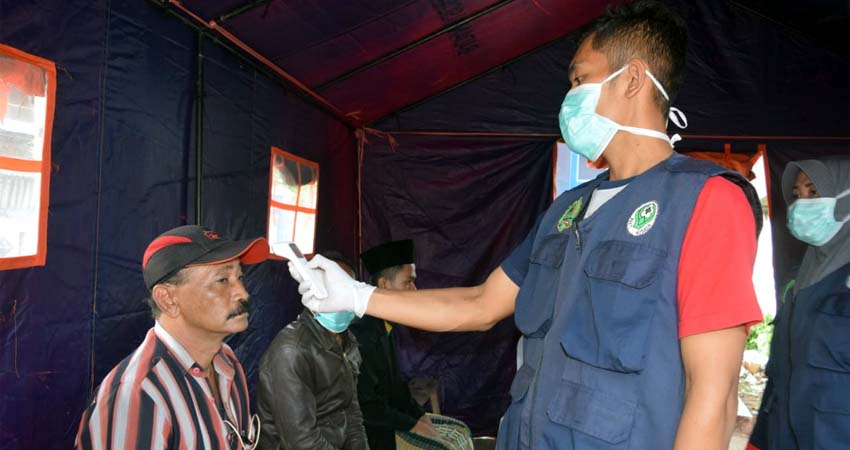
{"x":307,"y":396}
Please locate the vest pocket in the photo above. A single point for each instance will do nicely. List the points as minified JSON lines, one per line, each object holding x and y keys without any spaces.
{"x":831,"y":423}
{"x":608,"y":327}
{"x":599,"y":415}
{"x":829,"y":347}
{"x":536,"y":298}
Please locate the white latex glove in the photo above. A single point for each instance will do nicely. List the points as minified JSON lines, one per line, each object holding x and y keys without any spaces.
{"x":304,"y":286}
{"x":344,"y":292}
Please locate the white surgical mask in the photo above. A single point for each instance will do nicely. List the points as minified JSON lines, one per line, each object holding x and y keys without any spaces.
{"x":588,"y":133}
{"x":812,"y":220}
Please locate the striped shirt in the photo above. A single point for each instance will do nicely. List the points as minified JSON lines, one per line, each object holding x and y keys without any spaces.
{"x":159,"y":398}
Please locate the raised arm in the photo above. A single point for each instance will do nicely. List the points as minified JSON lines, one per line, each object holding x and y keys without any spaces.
{"x":456,"y":309}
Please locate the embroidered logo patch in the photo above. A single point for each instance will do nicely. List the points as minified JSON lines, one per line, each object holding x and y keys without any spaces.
{"x":643,"y":218}
{"x":569,"y":217}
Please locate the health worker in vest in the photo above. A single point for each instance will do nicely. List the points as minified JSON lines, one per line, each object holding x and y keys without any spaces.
{"x":633,"y":291}
{"x":807,"y":400}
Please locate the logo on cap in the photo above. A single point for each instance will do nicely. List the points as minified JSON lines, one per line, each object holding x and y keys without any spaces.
{"x":212,"y":235}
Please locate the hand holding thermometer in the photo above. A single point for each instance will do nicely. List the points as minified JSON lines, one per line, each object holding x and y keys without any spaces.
{"x":291,"y":252}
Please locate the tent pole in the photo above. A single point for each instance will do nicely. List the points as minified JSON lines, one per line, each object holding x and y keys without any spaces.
{"x":294,"y":82}
{"x":241,"y":10}
{"x":762,"y":149}
{"x":472,"y":134}
{"x":766,"y":138}
{"x":557,"y":135}
{"x":199,"y":131}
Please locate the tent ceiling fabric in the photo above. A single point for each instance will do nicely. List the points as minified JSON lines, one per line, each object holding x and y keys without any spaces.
{"x":318,"y":42}
{"x":825,"y":21}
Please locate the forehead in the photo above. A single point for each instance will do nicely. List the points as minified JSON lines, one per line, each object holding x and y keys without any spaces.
{"x":217,"y":269}
{"x":407,"y":271}
{"x":802,"y":179}
{"x":588,"y":58}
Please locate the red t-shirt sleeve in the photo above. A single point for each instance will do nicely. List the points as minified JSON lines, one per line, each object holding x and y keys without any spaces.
{"x":715,"y":288}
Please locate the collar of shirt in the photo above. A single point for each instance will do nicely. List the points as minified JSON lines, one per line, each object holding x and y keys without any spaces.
{"x":221,"y":364}
{"x":325,"y":339}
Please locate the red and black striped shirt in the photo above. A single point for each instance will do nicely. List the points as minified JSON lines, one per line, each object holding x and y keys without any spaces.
{"x":159,"y":398}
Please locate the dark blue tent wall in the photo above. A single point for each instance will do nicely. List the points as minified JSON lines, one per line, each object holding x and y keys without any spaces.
{"x":45,"y":346}
{"x":466,"y":203}
{"x":123,"y":154}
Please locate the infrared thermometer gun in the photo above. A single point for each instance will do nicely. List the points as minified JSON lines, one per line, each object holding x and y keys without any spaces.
{"x":291,"y":252}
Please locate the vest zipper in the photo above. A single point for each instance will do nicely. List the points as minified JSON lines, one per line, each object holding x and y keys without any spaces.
{"x":792,"y":305}
{"x":533,"y":399}
{"x":578,"y":239}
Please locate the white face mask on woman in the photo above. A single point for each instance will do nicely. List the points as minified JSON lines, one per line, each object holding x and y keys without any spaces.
{"x":812,"y":220}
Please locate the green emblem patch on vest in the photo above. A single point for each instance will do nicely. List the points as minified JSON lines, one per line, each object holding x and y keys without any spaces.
{"x":568,"y":219}
{"x":643,"y":218}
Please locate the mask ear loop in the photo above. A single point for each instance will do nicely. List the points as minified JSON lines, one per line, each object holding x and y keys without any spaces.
{"x":842,"y":194}
{"x":678,"y":117}
{"x":675,"y":115}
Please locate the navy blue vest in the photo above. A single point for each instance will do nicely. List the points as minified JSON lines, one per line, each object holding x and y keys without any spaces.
{"x":598,"y":308}
{"x":807,"y":401}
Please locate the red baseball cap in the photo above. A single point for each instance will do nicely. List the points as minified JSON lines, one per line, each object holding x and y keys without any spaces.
{"x":194,"y":245}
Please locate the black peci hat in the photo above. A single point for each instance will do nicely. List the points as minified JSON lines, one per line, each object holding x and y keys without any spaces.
{"x":390,"y":254}
{"x":193,"y":245}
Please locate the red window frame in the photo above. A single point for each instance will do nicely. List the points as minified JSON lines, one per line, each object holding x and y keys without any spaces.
{"x":296,"y":208}
{"x":29,"y":166}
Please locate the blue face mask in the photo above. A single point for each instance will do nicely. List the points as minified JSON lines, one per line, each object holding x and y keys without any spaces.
{"x":588,"y":134}
{"x":336,"y":322}
{"x":812,"y":220}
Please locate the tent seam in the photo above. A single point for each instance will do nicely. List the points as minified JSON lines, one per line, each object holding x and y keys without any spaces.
{"x":99,"y":171}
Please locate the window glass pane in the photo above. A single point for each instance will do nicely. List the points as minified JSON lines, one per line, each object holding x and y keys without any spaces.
{"x":571,"y":170}
{"x":309,"y":186}
{"x":23,"y":109}
{"x":305,"y":226}
{"x":281,"y":222}
{"x":19,"y":200}
{"x":285,"y":180}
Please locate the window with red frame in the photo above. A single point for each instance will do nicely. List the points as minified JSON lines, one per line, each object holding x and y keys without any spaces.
{"x":293,"y":196}
{"x":570,"y":169}
{"x":27,"y":95}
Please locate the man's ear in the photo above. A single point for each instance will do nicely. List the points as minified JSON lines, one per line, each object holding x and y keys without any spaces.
{"x":163,"y":296}
{"x":636,"y":76}
{"x":383,"y":283}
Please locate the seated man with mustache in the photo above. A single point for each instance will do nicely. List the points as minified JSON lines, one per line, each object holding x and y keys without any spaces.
{"x":183,"y":387}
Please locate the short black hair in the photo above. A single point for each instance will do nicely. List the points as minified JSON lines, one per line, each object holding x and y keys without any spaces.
{"x":176,"y":278}
{"x":649,"y":30}
{"x":340,"y":259}
{"x":388,"y":273}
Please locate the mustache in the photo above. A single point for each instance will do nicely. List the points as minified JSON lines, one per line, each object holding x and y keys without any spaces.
{"x":244,"y":307}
